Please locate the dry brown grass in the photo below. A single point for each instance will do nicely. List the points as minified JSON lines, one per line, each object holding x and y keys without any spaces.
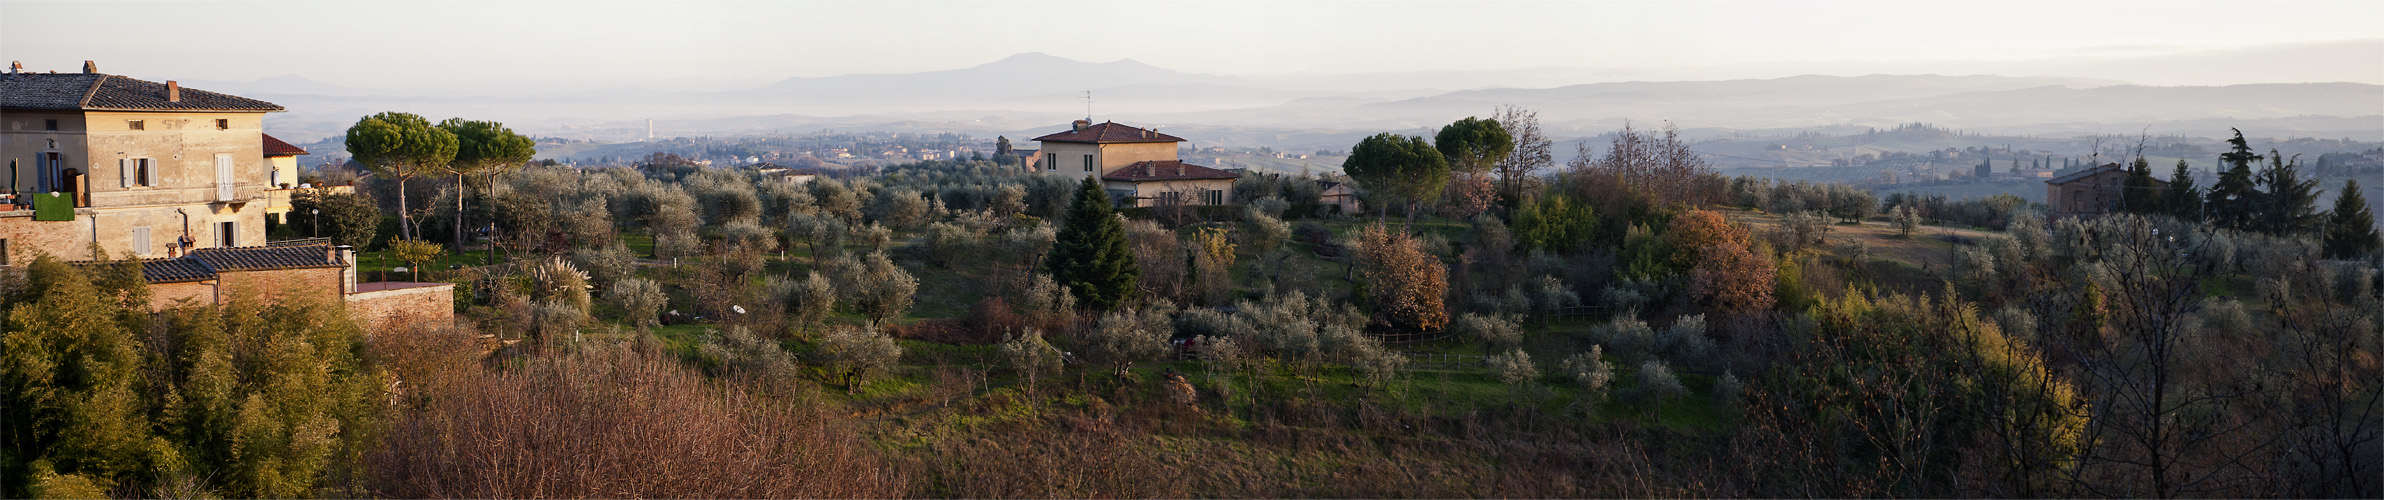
{"x":618,"y":422}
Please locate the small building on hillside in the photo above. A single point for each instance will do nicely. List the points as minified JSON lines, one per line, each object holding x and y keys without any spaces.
{"x":1138,"y":166}
{"x":1342,"y":196}
{"x":779,"y":173}
{"x":1029,"y":159}
{"x":2092,"y":191}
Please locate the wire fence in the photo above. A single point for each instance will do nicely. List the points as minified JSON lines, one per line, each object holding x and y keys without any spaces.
{"x":1578,"y":313}
{"x":1443,"y":361}
{"x":1410,"y":338}
{"x":298,"y":242}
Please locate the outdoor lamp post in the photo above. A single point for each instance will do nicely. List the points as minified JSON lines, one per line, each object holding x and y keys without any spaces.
{"x":317,"y":214}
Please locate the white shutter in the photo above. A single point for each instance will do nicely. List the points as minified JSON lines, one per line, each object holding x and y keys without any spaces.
{"x":140,"y":241}
{"x":223,"y":177}
{"x":124,"y":173}
{"x":148,"y":172}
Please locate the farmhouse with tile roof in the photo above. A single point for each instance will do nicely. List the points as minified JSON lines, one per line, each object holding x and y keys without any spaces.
{"x":1138,"y":166}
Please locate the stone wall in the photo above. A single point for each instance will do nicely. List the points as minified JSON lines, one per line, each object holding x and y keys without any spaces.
{"x":172,"y":295}
{"x":277,"y":285}
{"x":428,"y":303}
{"x":65,"y":240}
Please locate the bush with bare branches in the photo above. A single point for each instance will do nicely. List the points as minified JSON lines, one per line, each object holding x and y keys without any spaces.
{"x":618,"y":422}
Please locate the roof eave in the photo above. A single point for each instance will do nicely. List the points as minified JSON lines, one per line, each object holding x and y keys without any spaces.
{"x":275,"y":109}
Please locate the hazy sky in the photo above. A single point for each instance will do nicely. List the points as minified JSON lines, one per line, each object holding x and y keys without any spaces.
{"x":683,"y":45}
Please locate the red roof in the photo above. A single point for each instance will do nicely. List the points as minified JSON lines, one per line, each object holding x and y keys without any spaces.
{"x":1109,"y":132}
{"x":275,"y":147}
{"x":1169,"y":170}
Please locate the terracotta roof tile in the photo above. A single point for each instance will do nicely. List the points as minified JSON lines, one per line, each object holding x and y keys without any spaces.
{"x":204,"y":264}
{"x":1110,"y":132}
{"x":159,"y":271}
{"x":276,"y":147}
{"x":1167,"y":170}
{"x":102,"y":92}
{"x":268,"y":258}
{"x":175,"y":271}
{"x":2083,"y":173}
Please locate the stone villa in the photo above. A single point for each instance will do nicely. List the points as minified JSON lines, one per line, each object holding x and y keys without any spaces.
{"x":1138,"y":166}
{"x":180,"y":178}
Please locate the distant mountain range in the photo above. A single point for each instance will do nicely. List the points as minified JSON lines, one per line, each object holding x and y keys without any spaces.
{"x":1031,"y":92}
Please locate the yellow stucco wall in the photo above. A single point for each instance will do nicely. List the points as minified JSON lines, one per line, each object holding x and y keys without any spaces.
{"x":285,"y":168}
{"x":182,"y":148}
{"x":1109,"y":157}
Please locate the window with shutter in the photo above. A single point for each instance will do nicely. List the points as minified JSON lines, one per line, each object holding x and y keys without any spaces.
{"x":230,"y":232}
{"x":140,"y":241}
{"x":1088,"y":163}
{"x":223,"y":177}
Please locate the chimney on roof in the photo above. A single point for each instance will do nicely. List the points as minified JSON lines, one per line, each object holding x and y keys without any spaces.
{"x":90,"y":68}
{"x":173,"y":91}
{"x":1080,"y":125}
{"x":16,"y":67}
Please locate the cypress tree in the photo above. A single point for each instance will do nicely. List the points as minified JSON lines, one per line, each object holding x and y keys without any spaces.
{"x":2288,"y":204}
{"x":2350,"y":228}
{"x":2136,"y":194}
{"x":1090,"y":256}
{"x":2233,"y":202}
{"x":2185,"y":201}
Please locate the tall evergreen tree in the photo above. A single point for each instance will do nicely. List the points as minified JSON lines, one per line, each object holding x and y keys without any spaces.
{"x":2288,"y":203}
{"x":2184,"y":200}
{"x":1090,"y":256}
{"x":2234,"y":201}
{"x":2136,"y":194}
{"x":2351,"y":228}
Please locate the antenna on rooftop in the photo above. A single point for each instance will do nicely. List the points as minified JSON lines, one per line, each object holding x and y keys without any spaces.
{"x":1088,"y":105}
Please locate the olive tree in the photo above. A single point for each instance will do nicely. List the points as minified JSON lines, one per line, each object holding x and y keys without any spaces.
{"x":640,"y":299}
{"x":1123,"y":338}
{"x":854,"y":353}
{"x":1030,"y":356}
